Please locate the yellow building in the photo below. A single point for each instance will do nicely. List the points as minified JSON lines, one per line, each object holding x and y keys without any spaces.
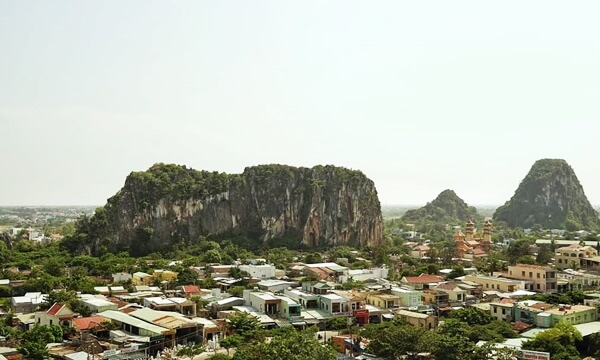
{"x":538,"y":278}
{"x":495,"y":283}
{"x":575,"y":256}
{"x":142,"y":278}
{"x":429,"y":322}
{"x":164,"y":275}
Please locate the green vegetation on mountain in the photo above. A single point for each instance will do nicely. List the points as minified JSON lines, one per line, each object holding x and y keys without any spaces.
{"x":549,"y":196}
{"x":275,"y":205}
{"x":446,"y":208}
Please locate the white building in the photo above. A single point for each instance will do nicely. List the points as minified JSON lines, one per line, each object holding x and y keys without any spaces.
{"x":266,"y":271}
{"x":121,"y":277}
{"x":364,"y":274}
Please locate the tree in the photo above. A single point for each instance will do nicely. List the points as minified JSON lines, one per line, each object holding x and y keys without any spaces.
{"x":558,"y":341}
{"x":187,"y":276}
{"x":236,"y":273}
{"x":471,"y":316}
{"x":457,"y":271}
{"x":33,"y":344}
{"x":242,"y":322}
{"x":288,"y":344}
{"x":219,"y":357}
{"x":231,"y":341}
{"x":395,"y":341}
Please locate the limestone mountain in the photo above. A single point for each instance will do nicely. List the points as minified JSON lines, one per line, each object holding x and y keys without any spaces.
{"x":446,"y":208}
{"x":171,"y":205}
{"x":550,"y":196}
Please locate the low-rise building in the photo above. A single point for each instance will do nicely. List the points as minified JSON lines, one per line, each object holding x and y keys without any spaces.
{"x":420,"y":251}
{"x":265,"y":271}
{"x":333,"y":304}
{"x":142,"y":278}
{"x":425,"y":321}
{"x":58,"y":314}
{"x":496,"y":283}
{"x":98,"y":304}
{"x":364,"y":274}
{"x":503,"y":311}
{"x":121,"y":277}
{"x":455,"y":293}
{"x":423,"y":281}
{"x":262,"y":302}
{"x":409,"y":297}
{"x":27,"y":303}
{"x":538,"y":278}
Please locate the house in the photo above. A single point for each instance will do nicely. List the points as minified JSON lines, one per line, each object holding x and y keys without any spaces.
{"x":572,"y":314}
{"x":262,"y":302}
{"x":576,"y":256}
{"x":333,"y":303}
{"x":420,"y":251}
{"x":276,"y":285}
{"x":496,"y":283}
{"x":58,"y":314}
{"x":121,"y":277}
{"x":305,"y":299}
{"x":504,"y":311}
{"x":425,"y":321}
{"x":164,"y":275}
{"x":382,"y":299}
{"x":189,"y":290}
{"x":289,"y":307}
{"x":408,"y":297}
{"x":97,"y":304}
{"x":364,"y":274}
{"x":265,"y":271}
{"x":539,"y":278}
{"x":436,"y":298}
{"x":318,"y":287}
{"x":85,"y":324}
{"x":455,"y":292}
{"x":27,"y":303}
{"x":423,"y":281}
{"x":133,"y":325}
{"x":142,"y":278}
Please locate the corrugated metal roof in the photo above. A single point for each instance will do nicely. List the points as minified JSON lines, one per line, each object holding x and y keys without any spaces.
{"x":130,"y":320}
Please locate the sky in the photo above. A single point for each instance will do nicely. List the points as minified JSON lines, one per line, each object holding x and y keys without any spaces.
{"x":421,"y":96}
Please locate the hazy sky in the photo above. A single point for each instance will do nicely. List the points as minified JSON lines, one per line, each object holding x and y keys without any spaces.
{"x":419,"y":95}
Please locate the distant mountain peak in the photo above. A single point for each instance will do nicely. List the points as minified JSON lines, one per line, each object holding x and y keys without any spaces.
{"x":447,"y":207}
{"x":551,"y":196}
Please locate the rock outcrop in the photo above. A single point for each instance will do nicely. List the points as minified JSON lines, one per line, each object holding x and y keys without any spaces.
{"x":549,"y":196}
{"x":446,"y":208}
{"x":170,"y":204}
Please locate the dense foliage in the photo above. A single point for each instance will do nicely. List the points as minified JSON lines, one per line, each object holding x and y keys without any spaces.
{"x":549,"y":196}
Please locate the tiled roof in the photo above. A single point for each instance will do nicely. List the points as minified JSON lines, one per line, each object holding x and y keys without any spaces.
{"x":190,"y":289}
{"x":446,"y":286}
{"x":423,"y":279}
{"x":54,"y":309}
{"x":87,"y":323}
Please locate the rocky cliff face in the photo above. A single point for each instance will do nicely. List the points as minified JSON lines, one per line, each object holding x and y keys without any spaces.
{"x":447,"y":208}
{"x":170,"y":204}
{"x":551,"y":196}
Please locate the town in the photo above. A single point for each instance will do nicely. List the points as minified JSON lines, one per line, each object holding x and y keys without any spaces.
{"x":155,"y":306}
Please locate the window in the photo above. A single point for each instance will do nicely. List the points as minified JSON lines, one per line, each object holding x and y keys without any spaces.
{"x":530,"y":274}
{"x":503,"y":311}
{"x":538,"y":275}
{"x":538,"y":286}
{"x":522,"y":273}
{"x":495,"y":310}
